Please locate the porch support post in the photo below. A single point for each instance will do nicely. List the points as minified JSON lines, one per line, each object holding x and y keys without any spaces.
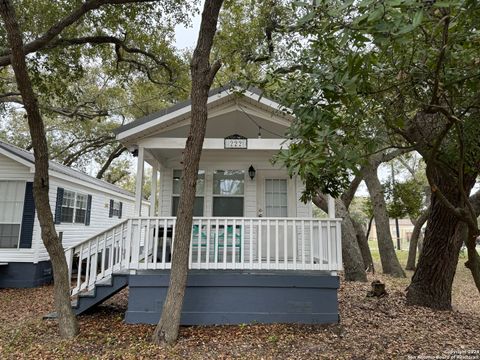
{"x":139,"y":184}
{"x":153,"y":195}
{"x":331,"y":207}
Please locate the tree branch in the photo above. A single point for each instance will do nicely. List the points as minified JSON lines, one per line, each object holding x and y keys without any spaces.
{"x":115,"y":154}
{"x":348,"y":195}
{"x":55,"y":30}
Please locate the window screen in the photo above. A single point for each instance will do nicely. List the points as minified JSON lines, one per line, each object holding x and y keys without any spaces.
{"x":228,"y":191}
{"x":276,"y":195}
{"x":81,"y":208}
{"x":74,"y":207}
{"x":177,"y":188}
{"x":228,"y":206}
{"x":12,"y":196}
{"x":68,"y":206}
{"x":197,"y":206}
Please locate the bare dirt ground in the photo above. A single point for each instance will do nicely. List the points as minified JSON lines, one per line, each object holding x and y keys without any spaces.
{"x":370,"y":328}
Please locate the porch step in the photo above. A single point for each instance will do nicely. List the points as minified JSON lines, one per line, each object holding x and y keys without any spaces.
{"x":101,"y":292}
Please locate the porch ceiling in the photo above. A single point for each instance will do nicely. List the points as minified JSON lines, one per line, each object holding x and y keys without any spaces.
{"x":171,"y":158}
{"x":232,"y":122}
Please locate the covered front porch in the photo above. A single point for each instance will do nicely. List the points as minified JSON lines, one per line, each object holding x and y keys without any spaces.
{"x":251,"y":236}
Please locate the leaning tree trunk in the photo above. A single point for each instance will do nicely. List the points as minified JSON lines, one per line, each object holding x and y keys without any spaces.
{"x":68,"y":325}
{"x":363,"y":245}
{"x":431,"y":284}
{"x":202,"y":78}
{"x":354,"y":267}
{"x":388,"y":257}
{"x":473,"y":262}
{"x":417,"y":232}
{"x":369,"y":227}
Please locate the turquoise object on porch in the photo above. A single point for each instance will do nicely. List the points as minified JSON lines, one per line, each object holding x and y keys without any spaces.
{"x":221,"y":238}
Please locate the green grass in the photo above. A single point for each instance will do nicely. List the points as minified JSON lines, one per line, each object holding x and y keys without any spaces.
{"x":401,"y":254}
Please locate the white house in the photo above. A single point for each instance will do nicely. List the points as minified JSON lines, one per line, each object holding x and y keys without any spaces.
{"x":82,"y":206}
{"x":256,"y":252}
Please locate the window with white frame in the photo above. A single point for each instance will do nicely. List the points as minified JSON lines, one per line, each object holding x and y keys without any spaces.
{"x":199,"y":198}
{"x":276,"y":198}
{"x":228,"y":192}
{"x":74,"y":207}
{"x":12,"y":195}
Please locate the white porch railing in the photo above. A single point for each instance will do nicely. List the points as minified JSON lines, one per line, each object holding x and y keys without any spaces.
{"x":145,"y":243}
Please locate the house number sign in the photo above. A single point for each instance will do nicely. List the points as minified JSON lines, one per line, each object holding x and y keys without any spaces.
{"x":235,"y":142}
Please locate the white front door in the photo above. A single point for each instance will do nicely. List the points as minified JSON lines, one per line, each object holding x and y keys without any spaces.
{"x":275,"y":199}
{"x":275,"y":194}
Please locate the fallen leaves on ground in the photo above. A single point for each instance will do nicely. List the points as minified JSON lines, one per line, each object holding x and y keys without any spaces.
{"x":370,"y":328}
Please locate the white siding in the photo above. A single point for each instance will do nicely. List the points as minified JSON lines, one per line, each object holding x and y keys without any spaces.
{"x":166,"y":190}
{"x":13,"y":170}
{"x":72,"y":233}
{"x":99,"y":219}
{"x":303,"y":210}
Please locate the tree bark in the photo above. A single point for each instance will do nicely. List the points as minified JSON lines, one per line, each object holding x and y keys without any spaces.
{"x":416,"y":234}
{"x":388,"y":257}
{"x":431,"y":284}
{"x":364,"y":248}
{"x":354,"y":267}
{"x":202,"y":77}
{"x":369,"y":227}
{"x":68,"y":325}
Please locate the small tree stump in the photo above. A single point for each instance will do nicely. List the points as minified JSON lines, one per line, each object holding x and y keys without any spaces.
{"x":378,"y":289}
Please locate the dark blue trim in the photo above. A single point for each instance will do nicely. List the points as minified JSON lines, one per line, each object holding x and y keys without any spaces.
{"x":110,"y":209}
{"x":89,"y":210}
{"x":28,"y":218}
{"x":58,"y":206}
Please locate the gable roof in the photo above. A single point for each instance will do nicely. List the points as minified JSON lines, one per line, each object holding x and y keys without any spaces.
{"x":29,"y":158}
{"x":183,"y":107}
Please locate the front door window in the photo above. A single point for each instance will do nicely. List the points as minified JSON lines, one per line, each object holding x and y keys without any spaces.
{"x":276,"y":195}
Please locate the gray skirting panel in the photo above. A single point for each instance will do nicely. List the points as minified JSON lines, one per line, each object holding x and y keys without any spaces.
{"x":235,"y":297}
{"x":25,"y":275}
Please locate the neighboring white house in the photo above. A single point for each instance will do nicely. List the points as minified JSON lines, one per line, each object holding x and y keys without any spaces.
{"x":82,"y":206}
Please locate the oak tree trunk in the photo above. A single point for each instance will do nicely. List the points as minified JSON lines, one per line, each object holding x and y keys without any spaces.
{"x":202,"y":77}
{"x":473,"y":262}
{"x":431,"y":284}
{"x":68,"y":325}
{"x":353,"y":265}
{"x":416,"y":234}
{"x":388,"y":257}
{"x":363,"y":245}
{"x":369,"y":227}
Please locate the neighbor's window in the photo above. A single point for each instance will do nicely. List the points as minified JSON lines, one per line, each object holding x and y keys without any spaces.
{"x":12,"y":195}
{"x":116,"y":209}
{"x":199,"y":198}
{"x":74,"y":207}
{"x":228,"y":192}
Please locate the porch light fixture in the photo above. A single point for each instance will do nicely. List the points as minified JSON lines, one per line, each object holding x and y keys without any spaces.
{"x":251,"y":172}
